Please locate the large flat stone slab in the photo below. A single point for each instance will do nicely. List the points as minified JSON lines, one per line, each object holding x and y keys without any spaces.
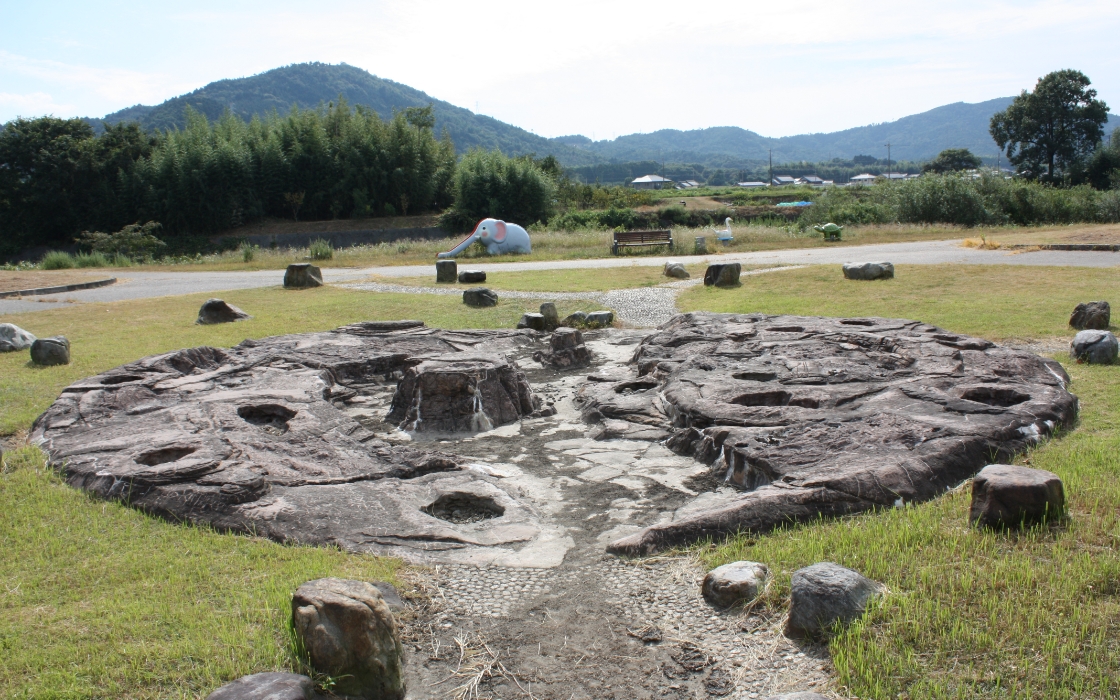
{"x":815,"y":417}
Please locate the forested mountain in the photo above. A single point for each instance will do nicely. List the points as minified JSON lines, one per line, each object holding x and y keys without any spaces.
{"x":311,"y":84}
{"x":917,"y":137}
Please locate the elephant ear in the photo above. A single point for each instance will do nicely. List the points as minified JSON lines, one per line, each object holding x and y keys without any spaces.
{"x":499,"y":231}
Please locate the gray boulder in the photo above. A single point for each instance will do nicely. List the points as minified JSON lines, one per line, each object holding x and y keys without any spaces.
{"x":472,"y":276}
{"x":1008,"y":496}
{"x":1094,"y":315}
{"x":723,"y":275}
{"x":534,"y":321}
{"x":869,"y":271}
{"x":350,"y":634}
{"x":737,"y":582}
{"x":446,"y":271}
{"x":14,"y":338}
{"x":267,"y":686}
{"x":302,"y":276}
{"x":1094,"y":347}
{"x":824,"y":594}
{"x":600,"y":319}
{"x":51,"y":351}
{"x":551,"y":316}
{"x":480,"y":297}
{"x":675,"y":270}
{"x":575,"y":319}
{"x":218,"y":311}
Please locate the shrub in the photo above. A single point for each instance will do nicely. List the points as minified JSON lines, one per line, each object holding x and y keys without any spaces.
{"x":94,"y":259}
{"x":488,"y":184}
{"x":248,"y":251}
{"x":57,"y":260}
{"x":321,"y":249}
{"x":134,"y":240}
{"x":949,"y":199}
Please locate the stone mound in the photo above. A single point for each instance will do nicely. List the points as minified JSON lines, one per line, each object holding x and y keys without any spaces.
{"x":819,"y":417}
{"x":261,"y":438}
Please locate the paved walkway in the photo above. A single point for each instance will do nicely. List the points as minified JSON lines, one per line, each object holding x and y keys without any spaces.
{"x":141,"y":284}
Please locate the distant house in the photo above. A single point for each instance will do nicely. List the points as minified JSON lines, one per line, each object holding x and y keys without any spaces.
{"x":750,"y":184}
{"x":687,"y":184}
{"x":651,"y":182}
{"x":864,"y":179}
{"x":783,"y":181}
{"x":812,"y":180}
{"x":897,"y":176}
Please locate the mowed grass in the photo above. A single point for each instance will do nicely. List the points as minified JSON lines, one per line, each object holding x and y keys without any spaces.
{"x":998,"y":302}
{"x":970,"y":614}
{"x":103,"y":336}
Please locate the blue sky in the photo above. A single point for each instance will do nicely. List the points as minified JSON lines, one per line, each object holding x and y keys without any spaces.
{"x":598,"y":68}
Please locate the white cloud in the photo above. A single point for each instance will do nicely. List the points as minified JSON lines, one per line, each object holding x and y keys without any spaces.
{"x":32,"y":105}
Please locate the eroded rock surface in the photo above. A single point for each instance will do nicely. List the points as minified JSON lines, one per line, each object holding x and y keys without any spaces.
{"x":820,"y":416}
{"x":265,"y":437}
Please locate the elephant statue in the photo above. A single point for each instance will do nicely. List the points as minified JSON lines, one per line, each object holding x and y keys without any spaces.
{"x":498,"y":237}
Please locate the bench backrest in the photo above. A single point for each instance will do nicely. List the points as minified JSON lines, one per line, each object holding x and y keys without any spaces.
{"x":642,"y":236}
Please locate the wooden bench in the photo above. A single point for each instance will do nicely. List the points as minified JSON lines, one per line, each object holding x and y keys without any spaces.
{"x":637,"y":239}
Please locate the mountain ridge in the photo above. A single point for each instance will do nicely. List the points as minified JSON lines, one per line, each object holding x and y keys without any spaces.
{"x":915,"y":137}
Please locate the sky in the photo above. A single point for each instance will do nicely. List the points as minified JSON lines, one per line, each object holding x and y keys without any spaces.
{"x":599,"y":68}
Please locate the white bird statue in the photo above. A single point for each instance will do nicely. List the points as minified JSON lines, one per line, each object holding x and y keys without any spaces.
{"x":724,"y":235}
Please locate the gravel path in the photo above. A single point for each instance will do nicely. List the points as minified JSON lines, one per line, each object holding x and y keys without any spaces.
{"x":641,"y":307}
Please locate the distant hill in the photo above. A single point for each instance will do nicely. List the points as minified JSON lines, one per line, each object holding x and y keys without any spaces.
{"x":917,"y":137}
{"x":311,"y":84}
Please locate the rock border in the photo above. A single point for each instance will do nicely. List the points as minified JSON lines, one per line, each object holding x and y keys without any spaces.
{"x":59,"y":289}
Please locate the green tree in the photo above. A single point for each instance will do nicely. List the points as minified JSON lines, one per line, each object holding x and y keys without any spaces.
{"x":952,"y":160}
{"x":1103,"y":169}
{"x":488,"y":184}
{"x":1047,"y":132}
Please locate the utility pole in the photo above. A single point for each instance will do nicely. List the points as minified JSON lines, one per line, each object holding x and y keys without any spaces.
{"x":769,"y":184}
{"x":888,"y":162}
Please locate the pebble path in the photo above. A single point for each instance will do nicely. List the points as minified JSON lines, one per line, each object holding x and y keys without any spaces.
{"x":760,"y":660}
{"x":641,"y":307}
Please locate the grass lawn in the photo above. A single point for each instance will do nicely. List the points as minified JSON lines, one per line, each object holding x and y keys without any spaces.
{"x":971,"y":614}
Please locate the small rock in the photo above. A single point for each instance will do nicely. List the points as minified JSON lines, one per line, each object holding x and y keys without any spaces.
{"x":390,"y":595}
{"x":600,"y":319}
{"x":675,"y":270}
{"x":446,"y":270}
{"x":826,"y":593}
{"x":1094,"y":347}
{"x":14,"y":338}
{"x":869,"y":271}
{"x":218,"y":311}
{"x":350,"y":634}
{"x":567,"y":350}
{"x":267,"y":686}
{"x":1095,"y":315}
{"x":802,"y":695}
{"x":479,"y":297}
{"x":533,"y":321}
{"x":1007,"y":496}
{"x":551,"y":317}
{"x":51,"y":351}
{"x":575,"y":320}
{"x":471,"y":276}
{"x":737,"y":582}
{"x":723,"y":275}
{"x":302,"y":276}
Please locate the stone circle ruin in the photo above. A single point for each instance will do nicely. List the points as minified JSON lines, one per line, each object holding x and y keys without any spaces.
{"x":442,"y":445}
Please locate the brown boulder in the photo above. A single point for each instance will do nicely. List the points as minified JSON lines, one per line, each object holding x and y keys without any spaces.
{"x":350,"y":634}
{"x":1009,"y":496}
{"x":218,"y":311}
{"x":723,"y":275}
{"x":302,"y":276}
{"x":1094,"y":315}
{"x":566,"y":350}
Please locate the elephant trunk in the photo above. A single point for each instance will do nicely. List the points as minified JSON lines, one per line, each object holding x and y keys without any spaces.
{"x":459,"y":248}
